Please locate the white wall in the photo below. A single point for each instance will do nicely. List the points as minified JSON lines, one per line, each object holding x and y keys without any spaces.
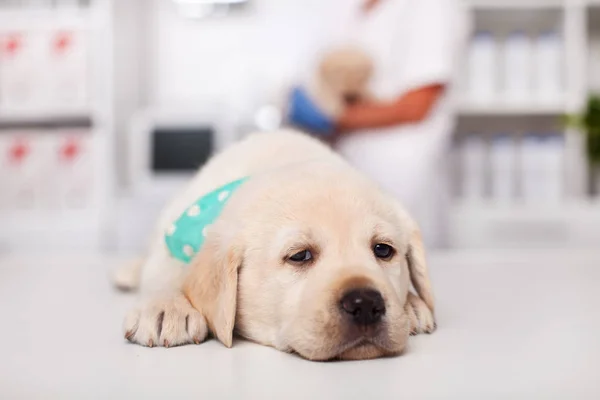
{"x":221,"y":59}
{"x":130,"y":71}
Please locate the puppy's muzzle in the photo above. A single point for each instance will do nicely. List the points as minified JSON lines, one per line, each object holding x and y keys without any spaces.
{"x":363,"y":307}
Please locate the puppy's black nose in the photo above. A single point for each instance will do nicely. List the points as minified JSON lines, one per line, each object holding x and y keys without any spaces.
{"x":364,"y":306}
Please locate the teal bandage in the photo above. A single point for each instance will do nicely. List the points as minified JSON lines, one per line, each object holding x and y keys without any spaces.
{"x":186,"y":236}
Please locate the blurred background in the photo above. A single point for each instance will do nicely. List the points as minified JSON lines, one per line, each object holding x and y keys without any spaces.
{"x":107,"y":107}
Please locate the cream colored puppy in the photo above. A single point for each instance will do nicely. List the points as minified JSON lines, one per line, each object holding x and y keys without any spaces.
{"x":308,"y":256}
{"x":342,"y":79}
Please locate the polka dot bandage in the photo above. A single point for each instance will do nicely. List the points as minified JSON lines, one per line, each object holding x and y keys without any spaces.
{"x":186,"y":236}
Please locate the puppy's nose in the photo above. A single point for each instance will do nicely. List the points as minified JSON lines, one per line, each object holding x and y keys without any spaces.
{"x":364,"y":306}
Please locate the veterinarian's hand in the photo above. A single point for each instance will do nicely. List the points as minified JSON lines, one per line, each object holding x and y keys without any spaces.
{"x":306,"y":115}
{"x":413,"y":107}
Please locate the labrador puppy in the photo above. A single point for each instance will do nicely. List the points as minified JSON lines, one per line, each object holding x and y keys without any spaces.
{"x":342,"y":79}
{"x":308,"y":256}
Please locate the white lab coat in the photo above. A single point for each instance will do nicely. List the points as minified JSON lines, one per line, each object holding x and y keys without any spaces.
{"x":413,"y":43}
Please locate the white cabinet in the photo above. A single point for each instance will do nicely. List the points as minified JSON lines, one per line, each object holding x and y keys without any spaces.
{"x":56,"y":125}
{"x":551,"y":204}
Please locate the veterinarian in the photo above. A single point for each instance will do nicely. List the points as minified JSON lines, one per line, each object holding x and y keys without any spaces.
{"x":399,"y":138}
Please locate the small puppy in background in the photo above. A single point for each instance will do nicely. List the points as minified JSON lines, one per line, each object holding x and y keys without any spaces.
{"x":342,"y":79}
{"x":307,"y":256}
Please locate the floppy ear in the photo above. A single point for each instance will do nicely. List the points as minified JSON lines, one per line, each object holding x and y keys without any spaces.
{"x":417,"y":263}
{"x":211,"y":287}
{"x":417,"y":266}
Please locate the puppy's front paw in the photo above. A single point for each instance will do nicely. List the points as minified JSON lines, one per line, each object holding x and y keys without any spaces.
{"x":168,"y":322}
{"x":420,"y":316}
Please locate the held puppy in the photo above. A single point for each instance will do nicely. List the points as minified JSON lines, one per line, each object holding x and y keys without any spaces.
{"x":306,"y":256}
{"x":342,"y":79}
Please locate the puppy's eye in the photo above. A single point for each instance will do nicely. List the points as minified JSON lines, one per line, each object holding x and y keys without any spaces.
{"x":302,"y":256}
{"x":383,"y":251}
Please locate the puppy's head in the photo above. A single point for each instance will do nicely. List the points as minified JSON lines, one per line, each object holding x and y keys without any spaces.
{"x":346,"y":72}
{"x":310,"y":261}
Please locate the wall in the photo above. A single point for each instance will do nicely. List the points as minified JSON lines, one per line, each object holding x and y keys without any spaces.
{"x":131,"y":75}
{"x":231,"y":59}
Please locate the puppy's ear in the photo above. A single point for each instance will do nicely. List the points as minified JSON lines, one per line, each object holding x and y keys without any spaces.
{"x":415,"y":256}
{"x":417,"y":265}
{"x":211,"y":286}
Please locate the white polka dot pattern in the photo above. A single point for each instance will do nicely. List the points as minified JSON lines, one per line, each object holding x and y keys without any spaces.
{"x":194,"y":211}
{"x":188,"y":250}
{"x":223,"y":195}
{"x":171,"y":230}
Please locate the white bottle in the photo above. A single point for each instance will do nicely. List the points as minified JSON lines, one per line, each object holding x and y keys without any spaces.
{"x":482,"y":68}
{"x":5,"y":178}
{"x":503,"y":161}
{"x":548,"y":68}
{"x":74,"y":169}
{"x":553,"y":159}
{"x":67,"y":70}
{"x":532,"y":168}
{"x":473,"y":162}
{"x":542,"y":161}
{"x":517,"y":68}
{"x":21,"y":63}
{"x":20,"y":163}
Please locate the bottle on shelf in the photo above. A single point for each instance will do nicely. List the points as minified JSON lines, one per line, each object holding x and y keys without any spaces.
{"x":542,"y":168}
{"x":73,"y":169}
{"x":553,"y":157}
{"x":517,"y":69}
{"x":67,"y":70}
{"x":22,"y":158}
{"x":548,"y":68}
{"x":482,"y":68}
{"x":532,"y":168}
{"x":473,"y":167}
{"x":21,"y":60}
{"x":503,"y":160}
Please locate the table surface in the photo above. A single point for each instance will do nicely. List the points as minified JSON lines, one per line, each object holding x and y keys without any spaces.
{"x":511,"y":325}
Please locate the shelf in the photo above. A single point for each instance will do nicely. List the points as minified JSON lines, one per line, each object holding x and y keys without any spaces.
{"x":528,"y":4}
{"x":24,"y":19}
{"x":524,"y":210}
{"x":499,"y":109}
{"x":24,"y":119}
{"x":515,"y":4}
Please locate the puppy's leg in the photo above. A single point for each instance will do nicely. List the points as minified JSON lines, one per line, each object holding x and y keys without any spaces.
{"x":420,"y":316}
{"x":166,"y":320}
{"x":166,"y":317}
{"x":127,"y":276}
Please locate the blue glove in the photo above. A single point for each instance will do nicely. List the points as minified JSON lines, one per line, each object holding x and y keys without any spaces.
{"x":305,"y":114}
